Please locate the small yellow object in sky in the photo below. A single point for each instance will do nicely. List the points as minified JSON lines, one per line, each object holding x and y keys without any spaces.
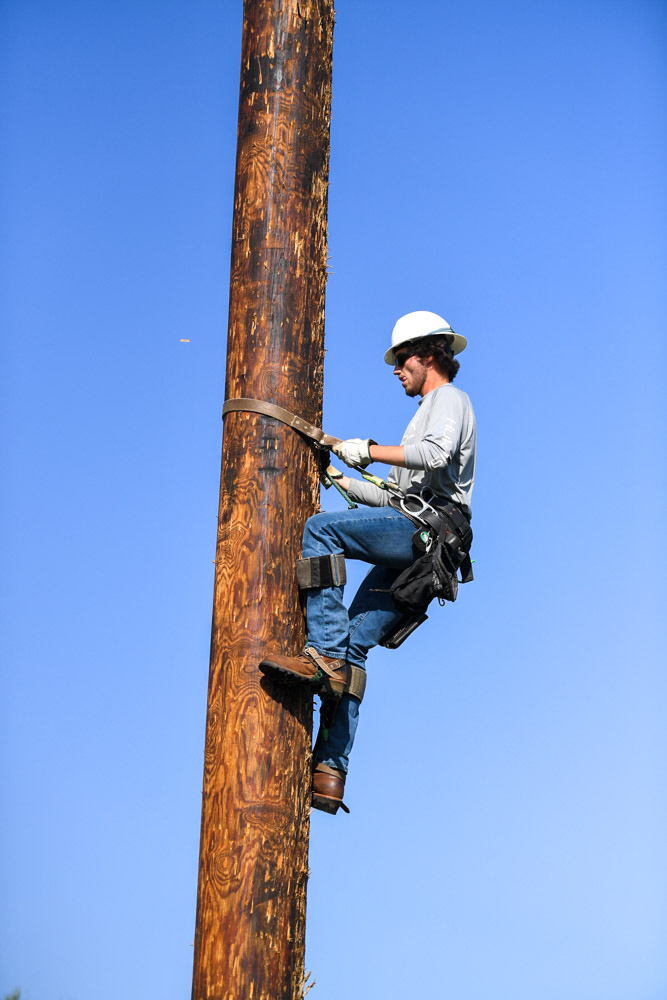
{"x":185,"y":341}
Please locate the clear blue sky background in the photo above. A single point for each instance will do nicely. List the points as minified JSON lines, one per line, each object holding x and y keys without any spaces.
{"x":500,"y":163}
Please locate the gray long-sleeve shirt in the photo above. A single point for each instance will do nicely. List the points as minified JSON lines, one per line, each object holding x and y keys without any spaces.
{"x":439,"y":445}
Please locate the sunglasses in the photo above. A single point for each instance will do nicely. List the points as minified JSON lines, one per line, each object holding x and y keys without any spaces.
{"x":401,"y":357}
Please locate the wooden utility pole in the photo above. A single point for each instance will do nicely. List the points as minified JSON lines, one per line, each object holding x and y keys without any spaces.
{"x":251,"y":903}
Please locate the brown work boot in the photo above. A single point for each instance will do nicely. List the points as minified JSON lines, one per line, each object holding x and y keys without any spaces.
{"x":328,"y":788}
{"x":321,"y":673}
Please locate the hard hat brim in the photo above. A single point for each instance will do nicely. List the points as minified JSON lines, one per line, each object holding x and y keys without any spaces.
{"x":458,"y":344}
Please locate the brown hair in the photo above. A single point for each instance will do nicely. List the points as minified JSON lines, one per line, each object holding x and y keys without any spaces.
{"x":437,"y":347}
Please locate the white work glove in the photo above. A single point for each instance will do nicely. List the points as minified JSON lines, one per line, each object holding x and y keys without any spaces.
{"x":355,"y":452}
{"x":331,"y":472}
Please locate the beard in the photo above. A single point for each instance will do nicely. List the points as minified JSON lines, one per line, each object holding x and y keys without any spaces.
{"x":416,"y":380}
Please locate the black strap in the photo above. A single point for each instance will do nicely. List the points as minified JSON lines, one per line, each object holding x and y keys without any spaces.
{"x":460,"y":522}
{"x":465,"y":569}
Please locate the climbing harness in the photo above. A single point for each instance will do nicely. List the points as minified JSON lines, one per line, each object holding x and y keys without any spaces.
{"x":447,"y":538}
{"x":434,"y":574}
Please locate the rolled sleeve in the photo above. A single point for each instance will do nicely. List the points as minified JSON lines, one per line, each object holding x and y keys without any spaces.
{"x":434,"y":451}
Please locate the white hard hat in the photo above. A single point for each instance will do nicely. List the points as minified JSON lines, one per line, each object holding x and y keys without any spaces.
{"x":419,"y":324}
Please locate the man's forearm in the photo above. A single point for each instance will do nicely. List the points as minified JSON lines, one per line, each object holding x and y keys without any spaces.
{"x":342,"y":481}
{"x":389,"y":454}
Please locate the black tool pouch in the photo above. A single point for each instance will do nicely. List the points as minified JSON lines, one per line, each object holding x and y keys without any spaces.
{"x":415,"y":588}
{"x":434,"y":574}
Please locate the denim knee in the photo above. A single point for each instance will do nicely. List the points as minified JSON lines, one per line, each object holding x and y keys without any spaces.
{"x":315,"y":532}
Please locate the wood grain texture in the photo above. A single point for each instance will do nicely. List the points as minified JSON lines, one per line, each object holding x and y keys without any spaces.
{"x":251,"y":904}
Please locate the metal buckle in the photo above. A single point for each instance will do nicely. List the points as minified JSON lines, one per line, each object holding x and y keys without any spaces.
{"x":405,"y":507}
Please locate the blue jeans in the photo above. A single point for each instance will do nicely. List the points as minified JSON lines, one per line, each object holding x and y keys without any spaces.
{"x":381,"y":536}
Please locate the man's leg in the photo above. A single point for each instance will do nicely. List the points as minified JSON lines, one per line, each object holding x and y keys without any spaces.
{"x":378,"y":535}
{"x":381,"y":536}
{"x":372,"y":615}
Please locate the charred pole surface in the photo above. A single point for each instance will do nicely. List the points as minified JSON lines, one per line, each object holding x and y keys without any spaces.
{"x":251,"y":901}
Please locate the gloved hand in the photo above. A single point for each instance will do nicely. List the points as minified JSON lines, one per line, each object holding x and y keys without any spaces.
{"x":331,"y":472}
{"x":355,"y":451}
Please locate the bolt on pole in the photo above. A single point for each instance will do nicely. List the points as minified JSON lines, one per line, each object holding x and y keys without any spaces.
{"x":253,"y":865}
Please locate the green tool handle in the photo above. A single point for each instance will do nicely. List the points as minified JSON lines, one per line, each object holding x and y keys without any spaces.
{"x":375,"y":480}
{"x":346,"y":497}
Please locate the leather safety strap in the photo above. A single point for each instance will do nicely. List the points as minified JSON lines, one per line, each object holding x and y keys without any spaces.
{"x":321,"y":571}
{"x":357,"y":677}
{"x":326,"y":769}
{"x":314,"y":434}
{"x":319,"y":661}
{"x":357,"y":681}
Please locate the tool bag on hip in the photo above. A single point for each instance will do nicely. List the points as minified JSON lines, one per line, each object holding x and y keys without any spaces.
{"x":435,"y":574}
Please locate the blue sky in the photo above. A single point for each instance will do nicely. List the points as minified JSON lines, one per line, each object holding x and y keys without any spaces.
{"x":502,"y":164}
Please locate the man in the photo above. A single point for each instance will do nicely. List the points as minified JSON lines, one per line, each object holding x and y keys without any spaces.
{"x":437,"y":457}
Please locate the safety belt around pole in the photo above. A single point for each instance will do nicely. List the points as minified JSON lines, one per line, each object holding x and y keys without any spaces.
{"x":314,"y":434}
